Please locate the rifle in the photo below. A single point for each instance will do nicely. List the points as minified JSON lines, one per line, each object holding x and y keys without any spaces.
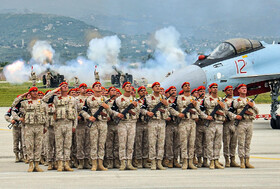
{"x":217,"y":107}
{"x":125,"y":111}
{"x":97,"y":113}
{"x":236,"y":122}
{"x":155,"y":109}
{"x":186,"y":110}
{"x":10,"y":126}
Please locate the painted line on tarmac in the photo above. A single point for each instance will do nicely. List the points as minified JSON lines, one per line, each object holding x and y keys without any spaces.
{"x":5,"y":129}
{"x":256,"y":157}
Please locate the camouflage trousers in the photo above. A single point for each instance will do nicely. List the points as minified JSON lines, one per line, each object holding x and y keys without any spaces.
{"x":98,"y":135}
{"x":244,"y":137}
{"x":34,"y":140}
{"x":48,"y":83}
{"x":112,"y":142}
{"x":63,"y":139}
{"x":17,"y":140}
{"x":214,"y":134}
{"x":126,"y":133}
{"x":156,"y":131}
{"x":187,"y":131}
{"x":45,"y":145}
{"x":172,"y":141}
{"x":82,"y":141}
{"x":51,"y":144}
{"x":200,"y":141}
{"x":23,"y":140}
{"x":141,"y":150}
{"x":229,"y":138}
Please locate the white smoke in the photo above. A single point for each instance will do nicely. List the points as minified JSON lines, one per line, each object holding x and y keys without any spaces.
{"x":42,"y":52}
{"x":17,"y":72}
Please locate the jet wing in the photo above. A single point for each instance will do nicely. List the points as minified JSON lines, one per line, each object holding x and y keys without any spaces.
{"x":260,"y":77}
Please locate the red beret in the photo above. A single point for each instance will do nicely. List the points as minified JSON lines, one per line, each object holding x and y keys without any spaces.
{"x":181,"y":92}
{"x":172,"y":87}
{"x":185,"y":84}
{"x":118,"y":90}
{"x":155,"y":83}
{"x":83,"y":85}
{"x":133,"y":89}
{"x":201,"y":88}
{"x":18,"y":95}
{"x":213,"y":84}
{"x":33,"y":89}
{"x":47,"y":92}
{"x":167,"y":90}
{"x":111,"y":88}
{"x":241,"y":85}
{"x":227,"y":87}
{"x":40,"y":92}
{"x":97,"y":82}
{"x":89,"y":90}
{"x":193,"y":91}
{"x":142,"y":87}
{"x":125,"y":84}
{"x":70,"y":90}
{"x":103,"y":87}
{"x":63,"y":83}
{"x":77,"y":89}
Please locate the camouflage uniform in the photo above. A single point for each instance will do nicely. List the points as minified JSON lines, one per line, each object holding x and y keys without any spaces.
{"x":51,"y":151}
{"x":66,"y":119}
{"x":245,"y":127}
{"x":48,"y":78}
{"x":126,"y":128}
{"x":33,"y":78}
{"x":35,"y":116}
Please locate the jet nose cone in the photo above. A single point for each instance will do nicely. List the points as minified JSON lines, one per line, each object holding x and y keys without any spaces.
{"x":192,"y":74}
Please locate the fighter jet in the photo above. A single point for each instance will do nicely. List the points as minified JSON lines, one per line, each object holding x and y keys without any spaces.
{"x":233,"y":62}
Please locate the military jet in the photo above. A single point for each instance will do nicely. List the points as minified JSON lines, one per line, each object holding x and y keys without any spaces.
{"x":233,"y":62}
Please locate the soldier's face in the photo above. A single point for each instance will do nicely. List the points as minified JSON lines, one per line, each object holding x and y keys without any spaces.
{"x":214,"y":89}
{"x":127,"y":88}
{"x":201,"y":92}
{"x":142,"y":92}
{"x":195,"y":94}
{"x":187,"y":88}
{"x":34,"y":94}
{"x":89,"y":93}
{"x":97,"y":88}
{"x":83,"y":90}
{"x":229,"y":92}
{"x":40,"y":95}
{"x":242,"y":90}
{"x":78,"y":92}
{"x":156,"y":88}
{"x":173,"y":92}
{"x":118,"y":94}
{"x":113,"y":92}
{"x":72,"y":93}
{"x":64,"y":88}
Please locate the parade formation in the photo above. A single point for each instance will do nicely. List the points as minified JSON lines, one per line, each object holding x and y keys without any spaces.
{"x":101,"y":129}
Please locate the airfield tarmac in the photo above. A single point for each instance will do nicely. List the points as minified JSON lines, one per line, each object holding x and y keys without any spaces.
{"x":265,"y":156}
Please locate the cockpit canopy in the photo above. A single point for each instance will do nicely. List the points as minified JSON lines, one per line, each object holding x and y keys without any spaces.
{"x":233,"y":47}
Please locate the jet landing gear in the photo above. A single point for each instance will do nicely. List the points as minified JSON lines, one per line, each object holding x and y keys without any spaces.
{"x":275,"y":119}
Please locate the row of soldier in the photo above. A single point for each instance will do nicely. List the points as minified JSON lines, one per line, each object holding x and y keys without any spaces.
{"x":82,"y":127}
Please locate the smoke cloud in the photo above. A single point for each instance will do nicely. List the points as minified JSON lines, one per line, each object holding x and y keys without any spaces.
{"x":42,"y":52}
{"x":17,"y":72}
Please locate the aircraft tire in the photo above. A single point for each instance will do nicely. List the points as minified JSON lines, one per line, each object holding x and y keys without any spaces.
{"x":275,"y":123}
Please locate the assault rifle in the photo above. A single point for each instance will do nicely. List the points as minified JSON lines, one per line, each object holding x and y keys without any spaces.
{"x":236,"y":122}
{"x":97,"y":113}
{"x":10,"y":126}
{"x":216,"y":108}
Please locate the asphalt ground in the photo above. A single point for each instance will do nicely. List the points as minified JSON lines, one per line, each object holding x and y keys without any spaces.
{"x":265,"y":156}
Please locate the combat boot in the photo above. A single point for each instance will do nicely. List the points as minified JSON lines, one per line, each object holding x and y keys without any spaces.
{"x":247,"y":164}
{"x":86,"y":164}
{"x":232,"y":162}
{"x":140,"y":163}
{"x":165,"y":162}
{"x":17,"y":158}
{"x":154,"y":165}
{"x":123,"y":165}
{"x":221,"y":164}
{"x":176,"y":163}
{"x":185,"y":164}
{"x":31,"y":167}
{"x":205,"y":163}
{"x":130,"y":166}
{"x":50,"y":165}
{"x":42,"y":162}
{"x":195,"y":162}
{"x":218,"y":165}
{"x":117,"y":163}
{"x":110,"y":164}
{"x":81,"y":164}
{"x":170,"y":164}
{"x":212,"y":165}
{"x":67,"y":166}
{"x":94,"y":165}
{"x":146,"y":164}
{"x":135,"y":162}
{"x":227,"y":163}
{"x":199,"y":162}
{"x":242,"y":163}
{"x":191,"y":165}
{"x":21,"y":158}
{"x":159,"y":165}
{"x":37,"y":168}
{"x":100,"y":165}
{"x":75,"y":163}
{"x":59,"y":166}
{"x":55,"y":165}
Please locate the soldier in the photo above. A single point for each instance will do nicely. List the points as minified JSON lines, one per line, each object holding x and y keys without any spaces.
{"x":119,"y":93}
{"x":122,"y":79}
{"x":156,"y":126}
{"x":82,"y":132}
{"x":141,"y":138}
{"x":133,"y":92}
{"x":229,"y":131}
{"x":194,"y":93}
{"x":215,"y":129}
{"x":34,"y":116}
{"x":127,"y":126}
{"x":76,"y":82}
{"x":78,"y":92}
{"x":48,"y":78}
{"x":245,"y":126}
{"x":98,"y":130}
{"x":112,"y":141}
{"x":200,"y":141}
{"x":66,"y":121}
{"x":89,"y":92}
{"x":33,"y":78}
{"x":96,"y":76}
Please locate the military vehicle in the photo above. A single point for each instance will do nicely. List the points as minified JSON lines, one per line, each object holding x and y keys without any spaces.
{"x":120,"y":78}
{"x":56,"y":78}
